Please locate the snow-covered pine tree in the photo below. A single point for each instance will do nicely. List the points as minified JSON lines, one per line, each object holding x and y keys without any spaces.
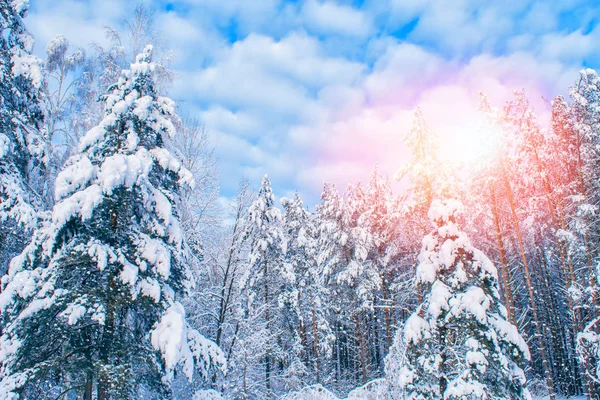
{"x":584,"y":233}
{"x":332,"y":257}
{"x":381,"y":219}
{"x":459,"y":343}
{"x":425,"y":170}
{"x":264,"y":353}
{"x":93,"y":300}
{"x":307,"y":296}
{"x":331,"y":234}
{"x":21,"y":144}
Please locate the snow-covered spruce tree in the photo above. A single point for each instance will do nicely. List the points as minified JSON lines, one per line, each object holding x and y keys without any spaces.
{"x":266,"y":349}
{"x":381,"y":218}
{"x":458,"y":343}
{"x":584,"y":229}
{"x":428,"y":175}
{"x":93,"y":300}
{"x":307,"y":296}
{"x":21,"y":145}
{"x":350,"y":281}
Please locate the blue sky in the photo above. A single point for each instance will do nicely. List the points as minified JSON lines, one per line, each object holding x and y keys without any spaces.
{"x":313,"y":91}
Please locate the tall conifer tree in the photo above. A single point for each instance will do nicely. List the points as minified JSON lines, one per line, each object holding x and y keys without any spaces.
{"x":93,"y":301}
{"x":459,"y":343}
{"x":21,"y":144}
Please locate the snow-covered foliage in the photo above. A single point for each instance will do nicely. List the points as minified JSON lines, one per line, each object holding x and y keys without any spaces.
{"x":94,"y":296}
{"x":316,"y":392}
{"x":579,"y":126}
{"x":588,"y":350}
{"x":207,"y":395}
{"x":377,"y":389}
{"x":305,"y":297}
{"x":268,"y":353}
{"x":22,"y":148}
{"x":458,"y":342}
{"x":428,"y":175}
{"x":374,"y":390}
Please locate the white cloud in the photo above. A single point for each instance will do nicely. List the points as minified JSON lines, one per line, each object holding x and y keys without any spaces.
{"x":241,"y":123}
{"x":331,"y":18}
{"x":278,"y":77}
{"x":249,"y":16}
{"x":193,"y":42}
{"x":571,"y":47}
{"x":80,"y":22}
{"x":402,"y":71}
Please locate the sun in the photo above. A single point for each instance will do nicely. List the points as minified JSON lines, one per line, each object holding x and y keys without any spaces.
{"x":469,"y":145}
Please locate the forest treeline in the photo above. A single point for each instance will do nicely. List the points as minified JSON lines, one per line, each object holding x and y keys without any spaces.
{"x":123,"y":277}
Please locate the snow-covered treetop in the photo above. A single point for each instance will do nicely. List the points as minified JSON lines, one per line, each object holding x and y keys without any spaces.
{"x":444,"y":211}
{"x":56,"y":57}
{"x":299,"y":228}
{"x":586,"y":102}
{"x":295,"y":212}
{"x":264,"y":227}
{"x":331,"y":207}
{"x":590,"y":77}
{"x":440,"y":248}
{"x":132,"y":129}
{"x":263,"y":209}
{"x":18,"y":45}
{"x":428,"y":174}
{"x":20,"y":6}
{"x":587,"y":91}
{"x":134,"y":99}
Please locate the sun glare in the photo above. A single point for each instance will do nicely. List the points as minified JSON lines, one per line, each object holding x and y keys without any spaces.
{"x":469,"y":146}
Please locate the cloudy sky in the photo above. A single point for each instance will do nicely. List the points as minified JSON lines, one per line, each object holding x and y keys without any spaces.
{"x":312,"y":91}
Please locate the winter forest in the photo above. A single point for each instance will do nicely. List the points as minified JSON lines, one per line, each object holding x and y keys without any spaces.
{"x":124,"y":277}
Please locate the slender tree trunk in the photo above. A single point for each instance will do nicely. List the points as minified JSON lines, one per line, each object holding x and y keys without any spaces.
{"x":338,"y":369}
{"x":232,"y":345}
{"x":376,"y":345}
{"x":103,"y":391}
{"x":89,"y":385}
{"x":227,"y":286}
{"x":532,"y":298}
{"x":316,"y":343}
{"x":505,"y":276}
{"x":267,"y":323}
{"x":443,"y":368}
{"x":363,"y":361}
{"x":245,"y":383}
{"x":386,"y":312}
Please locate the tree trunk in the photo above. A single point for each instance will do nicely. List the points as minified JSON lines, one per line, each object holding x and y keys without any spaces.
{"x":267,"y":324}
{"x":89,"y":384}
{"x":506,"y":285}
{"x":245,"y":383}
{"x":443,"y":367}
{"x":338,"y":370}
{"x":104,"y":378}
{"x":386,"y":312}
{"x":363,"y":361}
{"x":316,"y":344}
{"x":534,"y":310}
